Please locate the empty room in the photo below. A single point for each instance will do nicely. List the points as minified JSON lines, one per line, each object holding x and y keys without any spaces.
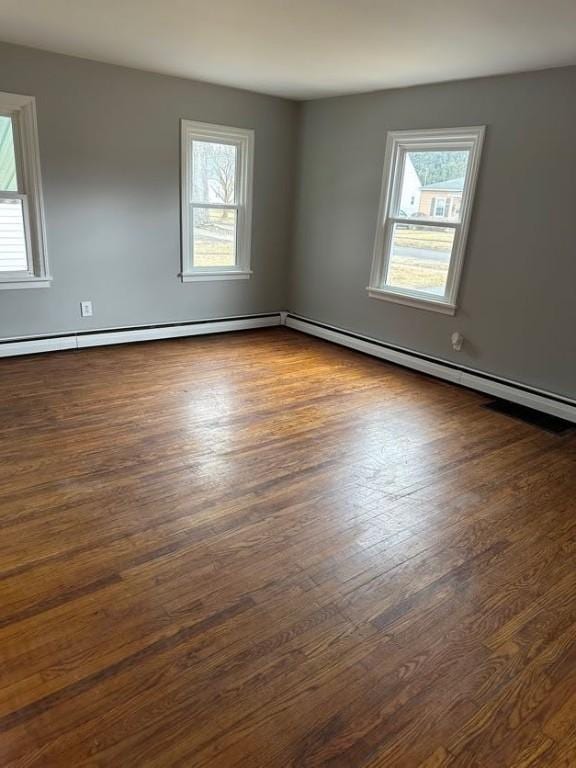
{"x":287,"y":384}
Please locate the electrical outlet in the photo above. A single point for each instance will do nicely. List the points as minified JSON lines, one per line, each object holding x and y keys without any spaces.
{"x":86,"y":308}
{"x":457,"y":341}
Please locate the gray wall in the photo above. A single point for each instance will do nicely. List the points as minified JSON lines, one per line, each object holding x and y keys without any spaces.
{"x":109,"y":143}
{"x":517,"y":304}
{"x":109,"y":149}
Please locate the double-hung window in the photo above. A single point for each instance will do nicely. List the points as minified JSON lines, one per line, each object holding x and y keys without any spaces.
{"x":425,"y":206}
{"x":216,"y":201}
{"x":23,"y":258}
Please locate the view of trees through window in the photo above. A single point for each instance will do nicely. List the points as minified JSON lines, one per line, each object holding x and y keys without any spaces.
{"x":214,"y":184}
{"x":432,"y":167}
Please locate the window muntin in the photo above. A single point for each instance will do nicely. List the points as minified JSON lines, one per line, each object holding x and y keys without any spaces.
{"x":427,"y":190}
{"x":23,"y":258}
{"x":216,"y":201}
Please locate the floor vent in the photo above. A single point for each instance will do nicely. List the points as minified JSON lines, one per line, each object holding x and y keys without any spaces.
{"x":551,"y":424}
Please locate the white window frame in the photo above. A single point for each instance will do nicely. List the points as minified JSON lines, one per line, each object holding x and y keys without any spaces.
{"x":22,"y":110}
{"x":243,"y":140}
{"x":397,"y":145}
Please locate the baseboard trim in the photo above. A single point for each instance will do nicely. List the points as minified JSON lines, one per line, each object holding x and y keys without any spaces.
{"x":97,"y":338}
{"x":516,"y":392}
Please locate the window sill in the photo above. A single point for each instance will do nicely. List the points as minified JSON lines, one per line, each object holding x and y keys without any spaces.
{"x":412,"y":301}
{"x":25,"y":282}
{"x":192,"y":277}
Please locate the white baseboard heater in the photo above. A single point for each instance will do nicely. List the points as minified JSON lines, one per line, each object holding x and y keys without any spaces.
{"x":81,"y":339}
{"x":516,"y":392}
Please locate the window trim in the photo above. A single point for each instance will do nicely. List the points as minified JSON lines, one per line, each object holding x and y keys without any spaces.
{"x":397,"y":144}
{"x":243,"y":139}
{"x":22,"y":110}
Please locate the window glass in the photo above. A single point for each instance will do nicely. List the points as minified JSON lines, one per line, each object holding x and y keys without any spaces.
{"x":428,"y":179}
{"x":420,"y":258}
{"x":13,"y":256}
{"x":213,"y":173}
{"x":214,"y":237}
{"x":8,"y":177}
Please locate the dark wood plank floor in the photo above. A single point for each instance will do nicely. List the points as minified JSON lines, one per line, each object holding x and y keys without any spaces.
{"x":259,"y":549}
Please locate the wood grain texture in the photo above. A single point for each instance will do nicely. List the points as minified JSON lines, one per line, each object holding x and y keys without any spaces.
{"x":264,"y":551}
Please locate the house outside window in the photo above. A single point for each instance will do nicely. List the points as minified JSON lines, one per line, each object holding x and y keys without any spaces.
{"x":433,"y":194}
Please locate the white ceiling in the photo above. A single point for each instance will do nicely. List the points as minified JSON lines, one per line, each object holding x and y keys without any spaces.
{"x":303,"y":48}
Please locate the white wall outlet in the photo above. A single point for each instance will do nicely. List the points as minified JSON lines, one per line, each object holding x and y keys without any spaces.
{"x":457,"y":340}
{"x":86,"y":308}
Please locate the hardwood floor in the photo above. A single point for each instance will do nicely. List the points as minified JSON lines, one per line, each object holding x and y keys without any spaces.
{"x":261,"y":550}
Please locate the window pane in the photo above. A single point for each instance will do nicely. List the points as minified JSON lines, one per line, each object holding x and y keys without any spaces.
{"x":214,"y":234}
{"x":213,"y":173}
{"x":420,"y":257}
{"x":8,"y":180}
{"x":433,"y":184}
{"x":12,"y":237}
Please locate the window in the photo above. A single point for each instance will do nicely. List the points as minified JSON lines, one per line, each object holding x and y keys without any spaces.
{"x":418,"y":257}
{"x":216,"y":201}
{"x":440,"y":206}
{"x":23,"y":259}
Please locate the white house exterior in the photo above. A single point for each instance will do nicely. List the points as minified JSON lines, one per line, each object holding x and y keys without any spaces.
{"x":411,"y":185}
